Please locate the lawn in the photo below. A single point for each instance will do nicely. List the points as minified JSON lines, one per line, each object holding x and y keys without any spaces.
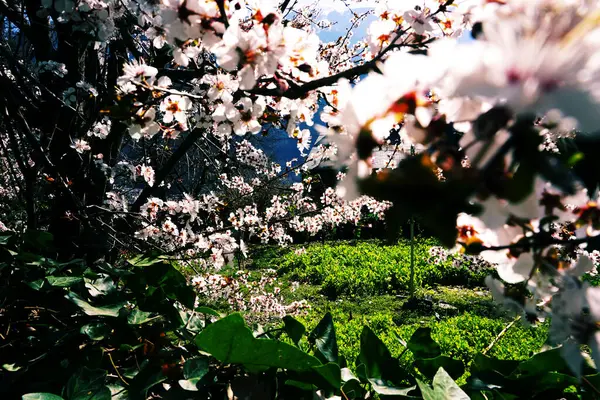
{"x":367,"y":283}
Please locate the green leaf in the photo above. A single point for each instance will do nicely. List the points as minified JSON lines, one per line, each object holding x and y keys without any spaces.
{"x":194,"y":370}
{"x":231,"y":342}
{"x":138,"y":317}
{"x":41,"y":396}
{"x":88,"y":384}
{"x":105,"y":311}
{"x":377,"y":360}
{"x":381,"y":387}
{"x":422,"y":345}
{"x":208,"y":311}
{"x":95,"y":330}
{"x":293,"y":328}
{"x":444,"y":388}
{"x":429,"y":366}
{"x":330,"y":373}
{"x":542,"y":363}
{"x":11,"y":367}
{"x":4,"y":238}
{"x":323,"y":336}
{"x":353,"y":390}
{"x":101,"y":286}
{"x":148,"y":376}
{"x":144,"y":260}
{"x":158,"y":282}
{"x":39,"y":240}
{"x":36,"y":285}
{"x":492,"y":370}
{"x":63,"y":281}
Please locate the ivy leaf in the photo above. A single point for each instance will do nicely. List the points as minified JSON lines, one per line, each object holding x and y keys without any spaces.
{"x":138,"y":317}
{"x":63,"y":281}
{"x":444,"y":388}
{"x":100,"y":287}
{"x":194,"y":370}
{"x":88,"y":384}
{"x":323,"y":336}
{"x":105,"y":311}
{"x":293,"y":328}
{"x":95,"y":330}
{"x":429,"y":366}
{"x":422,"y":345}
{"x":37,"y":284}
{"x":231,"y":342}
{"x":41,"y":396}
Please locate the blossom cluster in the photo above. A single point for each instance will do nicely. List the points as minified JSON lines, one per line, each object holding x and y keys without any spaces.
{"x":261,"y":298}
{"x":526,"y":82}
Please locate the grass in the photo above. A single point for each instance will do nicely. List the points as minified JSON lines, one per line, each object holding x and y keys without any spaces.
{"x":370,"y":268}
{"x":365,"y":284}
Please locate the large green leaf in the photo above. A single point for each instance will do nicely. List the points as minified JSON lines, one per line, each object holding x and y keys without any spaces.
{"x":88,"y":384}
{"x":323,"y":336}
{"x":444,"y":388}
{"x":491,"y":370}
{"x":231,"y":342}
{"x":194,"y":370}
{"x":41,"y":396}
{"x":379,"y":365}
{"x":293,"y":328}
{"x":422,"y":345}
{"x":430,"y":366}
{"x":105,"y":311}
{"x":542,"y":363}
{"x":63,"y":281}
{"x":331,"y":373}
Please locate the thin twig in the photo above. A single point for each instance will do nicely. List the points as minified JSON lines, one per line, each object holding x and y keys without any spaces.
{"x":493,"y":343}
{"x":116,"y":370}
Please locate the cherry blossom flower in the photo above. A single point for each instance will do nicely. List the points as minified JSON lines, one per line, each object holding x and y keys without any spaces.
{"x":221,"y":87}
{"x":134,"y":73}
{"x":81,"y":146}
{"x":253,"y":53}
{"x":174,"y":107}
{"x":143,"y":125}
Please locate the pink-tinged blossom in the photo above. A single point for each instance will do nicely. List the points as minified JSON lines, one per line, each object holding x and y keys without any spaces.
{"x":136,"y":73}
{"x":175,"y":107}
{"x":253,"y":54}
{"x":81,"y":146}
{"x":143,"y":124}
